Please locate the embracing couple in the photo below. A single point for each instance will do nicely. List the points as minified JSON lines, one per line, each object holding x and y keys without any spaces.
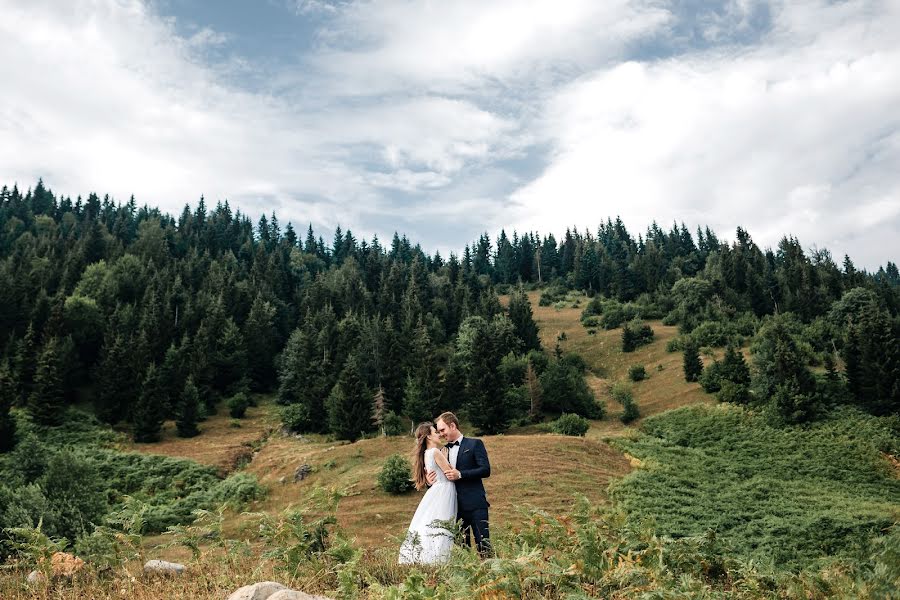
{"x":453,"y":465}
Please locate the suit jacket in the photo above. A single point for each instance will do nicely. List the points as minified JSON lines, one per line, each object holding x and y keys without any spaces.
{"x":473,"y":465}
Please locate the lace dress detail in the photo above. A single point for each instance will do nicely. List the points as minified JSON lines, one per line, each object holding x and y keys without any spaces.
{"x":428,"y":541}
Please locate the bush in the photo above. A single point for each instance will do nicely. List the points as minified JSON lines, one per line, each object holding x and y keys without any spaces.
{"x":295,"y":417}
{"x":565,"y":391}
{"x":396,"y":475}
{"x":237,"y":405}
{"x":637,"y":373}
{"x":735,"y":393}
{"x":630,"y":411}
{"x":591,"y":322}
{"x":393,"y":424}
{"x":237,"y":491}
{"x":711,"y":379}
{"x":635,"y":334}
{"x":676,"y":344}
{"x":570,"y":424}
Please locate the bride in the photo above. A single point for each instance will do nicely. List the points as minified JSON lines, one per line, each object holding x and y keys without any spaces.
{"x":428,"y":540}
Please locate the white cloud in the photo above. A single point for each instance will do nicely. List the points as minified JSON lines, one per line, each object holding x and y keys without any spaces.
{"x":786,"y":138}
{"x":434,"y":117}
{"x":465,"y":45}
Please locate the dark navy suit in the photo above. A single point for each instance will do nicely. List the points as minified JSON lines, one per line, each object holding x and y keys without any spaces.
{"x":472,"y":505}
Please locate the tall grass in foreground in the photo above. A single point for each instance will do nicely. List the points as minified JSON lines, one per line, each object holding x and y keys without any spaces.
{"x":590,"y":552}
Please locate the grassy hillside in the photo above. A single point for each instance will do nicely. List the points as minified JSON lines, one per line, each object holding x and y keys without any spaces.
{"x":665,"y":387}
{"x":781,"y":496}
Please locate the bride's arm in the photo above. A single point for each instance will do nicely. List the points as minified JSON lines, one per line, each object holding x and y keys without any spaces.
{"x":441,"y":460}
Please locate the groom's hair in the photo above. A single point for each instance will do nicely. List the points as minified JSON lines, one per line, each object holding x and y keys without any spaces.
{"x":448,"y":418}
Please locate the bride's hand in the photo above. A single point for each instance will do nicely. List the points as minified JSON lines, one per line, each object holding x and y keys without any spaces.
{"x":430,"y":477}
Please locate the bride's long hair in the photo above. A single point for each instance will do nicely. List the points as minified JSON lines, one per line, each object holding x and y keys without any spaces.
{"x":418,"y":458}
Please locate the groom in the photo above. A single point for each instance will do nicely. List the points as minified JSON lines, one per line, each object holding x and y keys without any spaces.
{"x":469,"y":465}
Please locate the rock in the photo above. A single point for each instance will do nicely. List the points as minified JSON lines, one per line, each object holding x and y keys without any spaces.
{"x":269,"y":590}
{"x":36,"y":578}
{"x":294,"y":595}
{"x":161,"y":567}
{"x":257,"y":591}
{"x":65,"y":565}
{"x":302,"y":472}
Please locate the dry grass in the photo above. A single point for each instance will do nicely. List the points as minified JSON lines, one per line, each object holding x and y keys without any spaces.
{"x":665,"y":387}
{"x":219,"y":444}
{"x":544,"y":471}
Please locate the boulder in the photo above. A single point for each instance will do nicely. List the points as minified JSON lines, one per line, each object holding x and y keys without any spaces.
{"x":257,"y":591}
{"x":36,"y":578}
{"x":162,"y":567}
{"x":294,"y":595}
{"x":302,"y":473}
{"x":269,"y":590}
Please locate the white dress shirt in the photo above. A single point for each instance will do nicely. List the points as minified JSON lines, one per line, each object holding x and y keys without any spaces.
{"x":454,"y":452}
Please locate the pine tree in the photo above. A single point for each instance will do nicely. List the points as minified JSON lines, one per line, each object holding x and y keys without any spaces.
{"x":734,"y":368}
{"x":188,"y":410}
{"x":47,"y":401}
{"x":115,"y":383}
{"x":378,"y":409}
{"x":693,"y":366}
{"x":261,"y":341}
{"x":523,"y":320}
{"x":534,"y":391}
{"x":25,"y":363}
{"x":8,"y":394}
{"x":349,"y":405}
{"x":416,"y":404}
{"x":147,"y":418}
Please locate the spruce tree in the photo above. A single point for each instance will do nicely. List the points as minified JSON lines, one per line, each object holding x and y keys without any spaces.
{"x":8,"y":394}
{"x":147,"y":418}
{"x":523,"y":320}
{"x":47,"y":401}
{"x":262,"y":344}
{"x":349,"y":406}
{"x":734,"y":368}
{"x":693,"y":366}
{"x":188,"y":410}
{"x":534,"y":391}
{"x":115,"y":383}
{"x":26,"y":362}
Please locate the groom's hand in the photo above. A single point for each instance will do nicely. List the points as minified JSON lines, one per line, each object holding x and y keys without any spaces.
{"x":430,"y":477}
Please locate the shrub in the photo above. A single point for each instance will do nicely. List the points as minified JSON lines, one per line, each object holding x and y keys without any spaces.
{"x":396,"y":475}
{"x":635,"y":334}
{"x":565,"y":391}
{"x":237,"y":405}
{"x":630,"y":410}
{"x":621,"y":392}
{"x":711,"y":379}
{"x":676,"y":344}
{"x":393,"y":424}
{"x":570,"y":424}
{"x":637,"y":373}
{"x":295,"y":417}
{"x":237,"y":491}
{"x":736,"y":393}
{"x":590,"y":322}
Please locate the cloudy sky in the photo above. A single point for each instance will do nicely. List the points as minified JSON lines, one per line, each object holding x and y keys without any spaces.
{"x":447,"y":118}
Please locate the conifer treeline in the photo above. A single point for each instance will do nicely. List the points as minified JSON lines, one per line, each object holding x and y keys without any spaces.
{"x":147,"y":315}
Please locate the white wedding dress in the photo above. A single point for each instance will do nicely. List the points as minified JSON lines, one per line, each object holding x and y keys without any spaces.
{"x":428,"y":542}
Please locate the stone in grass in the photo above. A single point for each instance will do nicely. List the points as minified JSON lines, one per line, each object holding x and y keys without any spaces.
{"x":36,"y":578}
{"x":269,"y":590}
{"x":257,"y":591}
{"x":294,"y":595}
{"x":162,"y":567}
